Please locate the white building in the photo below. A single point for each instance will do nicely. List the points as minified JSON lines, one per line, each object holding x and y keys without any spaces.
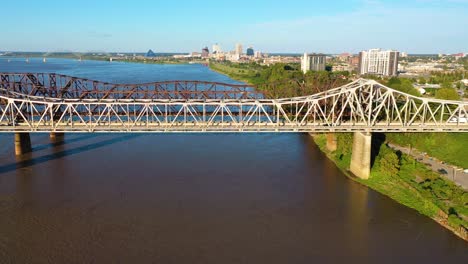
{"x":216,"y":49}
{"x":313,"y":62}
{"x":258,"y":54}
{"x":239,"y":49}
{"x":379,"y":62}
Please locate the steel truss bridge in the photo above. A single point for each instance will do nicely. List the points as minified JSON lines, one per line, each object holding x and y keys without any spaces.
{"x":47,"y":102}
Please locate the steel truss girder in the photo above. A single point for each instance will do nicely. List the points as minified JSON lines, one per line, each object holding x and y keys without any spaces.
{"x":363,"y":105}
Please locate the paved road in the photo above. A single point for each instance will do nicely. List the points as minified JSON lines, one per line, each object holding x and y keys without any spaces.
{"x":454,"y":173}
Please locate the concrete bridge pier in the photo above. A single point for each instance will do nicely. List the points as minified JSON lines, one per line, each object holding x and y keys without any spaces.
{"x":332,"y":144}
{"x":57,"y":137}
{"x":361,"y":155}
{"x":22,"y":143}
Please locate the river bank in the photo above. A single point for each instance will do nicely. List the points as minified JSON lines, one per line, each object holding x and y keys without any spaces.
{"x":250,"y":76}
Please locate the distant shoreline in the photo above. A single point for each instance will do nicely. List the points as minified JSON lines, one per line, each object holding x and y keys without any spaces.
{"x":107,"y":59}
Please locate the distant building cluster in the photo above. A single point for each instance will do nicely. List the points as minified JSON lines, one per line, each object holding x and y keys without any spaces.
{"x":217,"y":53}
{"x":373,"y":61}
{"x":236,"y":55}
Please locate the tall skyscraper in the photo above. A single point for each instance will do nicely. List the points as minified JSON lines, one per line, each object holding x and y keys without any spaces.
{"x":205,"y":52}
{"x":216,"y":49}
{"x":378,"y":62}
{"x":250,"y":51}
{"x":239,"y":50}
{"x":313,"y":62}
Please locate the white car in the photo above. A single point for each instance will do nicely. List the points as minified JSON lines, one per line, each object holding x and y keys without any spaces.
{"x":459,"y":120}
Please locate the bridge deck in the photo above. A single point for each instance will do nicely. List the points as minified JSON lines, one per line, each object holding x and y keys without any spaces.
{"x":222,"y":127}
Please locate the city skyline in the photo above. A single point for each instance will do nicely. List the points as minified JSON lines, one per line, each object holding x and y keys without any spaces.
{"x":418,"y":26}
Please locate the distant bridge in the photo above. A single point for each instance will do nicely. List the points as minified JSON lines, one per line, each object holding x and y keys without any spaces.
{"x":40,"y":102}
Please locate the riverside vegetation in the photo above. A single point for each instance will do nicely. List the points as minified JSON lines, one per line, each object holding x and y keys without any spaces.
{"x":393,"y":174}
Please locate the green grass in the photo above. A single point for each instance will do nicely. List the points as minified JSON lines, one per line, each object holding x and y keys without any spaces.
{"x":240,"y":72}
{"x":449,"y":147}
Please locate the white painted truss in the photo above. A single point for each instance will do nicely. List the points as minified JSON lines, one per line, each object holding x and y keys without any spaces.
{"x":363,"y":105}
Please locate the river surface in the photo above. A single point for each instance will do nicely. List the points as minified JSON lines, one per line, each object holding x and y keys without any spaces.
{"x":195,"y":198}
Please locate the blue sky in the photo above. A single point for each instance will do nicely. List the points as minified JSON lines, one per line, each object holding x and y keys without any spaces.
{"x":415,"y":26}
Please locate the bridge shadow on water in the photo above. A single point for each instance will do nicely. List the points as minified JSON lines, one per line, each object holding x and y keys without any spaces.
{"x":63,"y":142}
{"x":27,"y":160}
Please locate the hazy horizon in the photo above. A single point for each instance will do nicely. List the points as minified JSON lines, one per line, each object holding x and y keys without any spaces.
{"x":180,"y":52}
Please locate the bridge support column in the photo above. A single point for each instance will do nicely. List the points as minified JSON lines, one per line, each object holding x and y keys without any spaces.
{"x":331,"y":142}
{"x":22,"y":143}
{"x":361,"y":155}
{"x":56,"y":137}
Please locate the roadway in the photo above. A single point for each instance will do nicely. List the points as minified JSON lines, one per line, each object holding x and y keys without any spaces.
{"x":454,"y":173}
{"x":179,"y":126}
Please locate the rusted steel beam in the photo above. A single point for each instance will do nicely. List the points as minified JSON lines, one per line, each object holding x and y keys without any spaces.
{"x":63,"y":86}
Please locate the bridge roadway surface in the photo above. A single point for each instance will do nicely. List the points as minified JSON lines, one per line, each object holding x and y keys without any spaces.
{"x":56,"y":103}
{"x":226,"y":127}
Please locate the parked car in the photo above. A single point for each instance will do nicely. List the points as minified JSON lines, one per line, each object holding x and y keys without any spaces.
{"x":459,"y":120}
{"x":442,"y":171}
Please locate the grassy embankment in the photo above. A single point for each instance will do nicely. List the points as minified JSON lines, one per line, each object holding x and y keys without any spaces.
{"x":243,"y":72}
{"x":400,"y":177}
{"x":409,"y":183}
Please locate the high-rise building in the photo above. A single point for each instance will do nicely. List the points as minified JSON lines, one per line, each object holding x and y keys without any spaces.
{"x":217,"y":49}
{"x":205,"y":52}
{"x":250,"y":51}
{"x":239,"y":50}
{"x":378,"y":62}
{"x":313,"y":62}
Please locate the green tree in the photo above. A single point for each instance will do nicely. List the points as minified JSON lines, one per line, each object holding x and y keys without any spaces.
{"x":446,"y":85}
{"x":344,"y":143}
{"x":447,"y":94}
{"x":389,"y":163}
{"x":403,"y":85}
